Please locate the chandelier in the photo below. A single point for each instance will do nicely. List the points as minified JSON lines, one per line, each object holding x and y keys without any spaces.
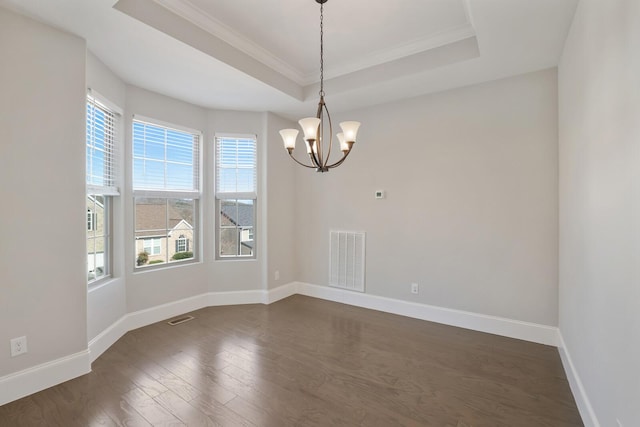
{"x":318,"y":148}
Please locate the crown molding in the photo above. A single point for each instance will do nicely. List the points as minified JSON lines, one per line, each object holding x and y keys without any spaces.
{"x":395,"y":53}
{"x":203,"y":20}
{"x":208,"y":23}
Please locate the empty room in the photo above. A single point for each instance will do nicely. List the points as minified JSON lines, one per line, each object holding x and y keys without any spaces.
{"x":320,"y":213}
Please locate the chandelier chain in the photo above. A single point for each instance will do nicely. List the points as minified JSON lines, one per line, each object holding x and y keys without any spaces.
{"x":322,"y":49}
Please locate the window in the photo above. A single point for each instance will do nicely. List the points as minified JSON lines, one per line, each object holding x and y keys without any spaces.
{"x":92,"y":220}
{"x":152,"y":246}
{"x":236,"y":196}
{"x":100,"y":183}
{"x":166,"y":188}
{"x":246,"y":235}
{"x":182,"y":244}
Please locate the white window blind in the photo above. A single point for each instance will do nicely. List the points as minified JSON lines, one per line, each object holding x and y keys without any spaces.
{"x":165,"y":159}
{"x":236,"y":162}
{"x":102,"y":167}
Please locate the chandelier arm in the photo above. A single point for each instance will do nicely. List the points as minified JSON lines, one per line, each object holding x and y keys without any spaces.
{"x":326,"y":160}
{"x":312,"y":156}
{"x":300,"y":163}
{"x":320,"y":133}
{"x":339,"y":162}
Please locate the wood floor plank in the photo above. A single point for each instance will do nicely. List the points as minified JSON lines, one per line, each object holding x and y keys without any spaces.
{"x":151,"y":410}
{"x":183,"y":410}
{"x":221,"y":414}
{"x":308,"y":362}
{"x":118,"y":408}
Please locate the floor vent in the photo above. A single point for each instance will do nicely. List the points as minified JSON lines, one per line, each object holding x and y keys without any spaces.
{"x":347,"y":260}
{"x":174,"y":322}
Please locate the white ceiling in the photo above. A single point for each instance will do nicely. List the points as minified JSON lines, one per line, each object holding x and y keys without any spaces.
{"x":264,"y":56}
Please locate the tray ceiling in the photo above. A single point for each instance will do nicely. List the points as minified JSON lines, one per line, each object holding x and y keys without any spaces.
{"x":264,"y":56}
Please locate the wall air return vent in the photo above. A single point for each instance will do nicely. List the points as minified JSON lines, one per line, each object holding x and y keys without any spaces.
{"x":346,"y":259}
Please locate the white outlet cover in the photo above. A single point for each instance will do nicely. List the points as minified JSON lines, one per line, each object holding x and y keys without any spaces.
{"x":18,"y":346}
{"x":379,"y":194}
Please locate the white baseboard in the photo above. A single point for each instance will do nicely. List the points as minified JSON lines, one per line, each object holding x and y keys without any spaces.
{"x":32,"y":380}
{"x":138,"y":319}
{"x":107,"y":338}
{"x":281,"y":292}
{"x":147,"y":316}
{"x":579,"y":393}
{"x":533,"y":332}
{"x":235,"y":298}
{"x":20,"y":384}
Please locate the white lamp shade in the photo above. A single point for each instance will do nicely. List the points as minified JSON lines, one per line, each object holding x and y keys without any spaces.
{"x":289,"y":137}
{"x":343,"y":143}
{"x":350,"y":130}
{"x":309,"y":126}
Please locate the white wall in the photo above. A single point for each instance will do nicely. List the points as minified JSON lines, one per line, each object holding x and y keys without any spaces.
{"x":280,"y":190}
{"x":42,"y":150}
{"x":106,"y":302}
{"x":599,"y":88}
{"x":471,"y":199}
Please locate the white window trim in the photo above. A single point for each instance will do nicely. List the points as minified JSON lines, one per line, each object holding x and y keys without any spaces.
{"x":96,"y":98}
{"x":152,"y":241}
{"x":108,"y":192}
{"x":181,"y":242}
{"x":253,"y":195}
{"x":196,"y":247}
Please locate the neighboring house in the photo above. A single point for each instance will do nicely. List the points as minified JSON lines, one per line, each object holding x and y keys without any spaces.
{"x":95,"y":236}
{"x":162,"y":231}
{"x":236,"y":228}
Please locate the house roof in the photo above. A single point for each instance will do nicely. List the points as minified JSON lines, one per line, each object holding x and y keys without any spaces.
{"x":151,"y":219}
{"x":242,"y":216}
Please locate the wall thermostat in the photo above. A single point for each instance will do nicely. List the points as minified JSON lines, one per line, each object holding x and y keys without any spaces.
{"x":379,"y":194}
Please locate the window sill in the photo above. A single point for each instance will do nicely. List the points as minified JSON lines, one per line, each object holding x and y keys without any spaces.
{"x":164,"y":266}
{"x":98,"y":284}
{"x":236,"y":259}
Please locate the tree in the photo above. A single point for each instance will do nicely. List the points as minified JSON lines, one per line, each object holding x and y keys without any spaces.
{"x":143,"y":257}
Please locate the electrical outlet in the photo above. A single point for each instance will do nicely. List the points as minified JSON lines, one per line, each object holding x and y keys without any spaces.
{"x":276,"y":275}
{"x":18,"y":346}
{"x":414,"y":288}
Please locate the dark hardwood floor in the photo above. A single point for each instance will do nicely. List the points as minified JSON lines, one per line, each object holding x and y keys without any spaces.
{"x":307,"y":362}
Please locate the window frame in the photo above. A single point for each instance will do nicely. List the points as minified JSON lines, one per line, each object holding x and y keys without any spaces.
{"x":182,"y":244}
{"x":152,"y":245}
{"x":92,"y":220}
{"x":235,"y":196}
{"x":193,"y":195}
{"x":108,"y":187}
